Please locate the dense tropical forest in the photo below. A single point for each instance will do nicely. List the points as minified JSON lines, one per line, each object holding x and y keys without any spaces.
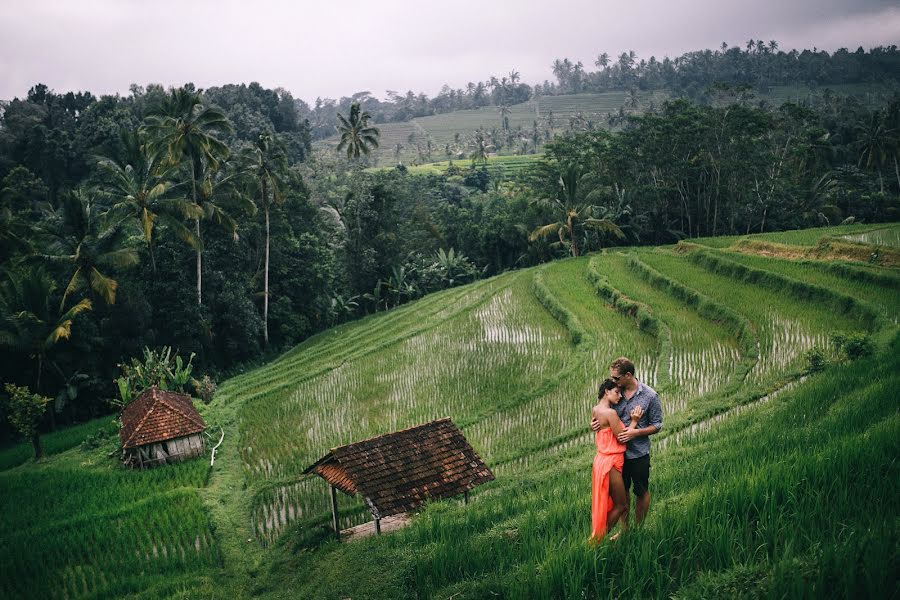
{"x":205,"y":221}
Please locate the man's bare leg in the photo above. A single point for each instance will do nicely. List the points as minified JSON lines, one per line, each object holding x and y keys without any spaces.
{"x":641,"y":506}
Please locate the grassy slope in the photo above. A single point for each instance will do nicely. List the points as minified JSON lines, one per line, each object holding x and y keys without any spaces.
{"x":594,"y":107}
{"x":800,"y":237}
{"x":772,"y":503}
{"x":497,"y":361}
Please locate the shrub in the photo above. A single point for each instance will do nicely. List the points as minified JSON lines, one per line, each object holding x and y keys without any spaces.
{"x":853,"y":346}
{"x":25,"y":411}
{"x":206,"y":389}
{"x":158,"y":368}
{"x":816,"y":360}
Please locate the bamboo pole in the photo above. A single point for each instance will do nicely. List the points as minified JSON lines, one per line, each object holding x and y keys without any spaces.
{"x":334,"y":513}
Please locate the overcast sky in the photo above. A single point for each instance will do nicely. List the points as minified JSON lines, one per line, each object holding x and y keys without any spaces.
{"x":327,"y":49}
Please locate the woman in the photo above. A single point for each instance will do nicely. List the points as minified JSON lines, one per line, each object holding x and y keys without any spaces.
{"x":608,"y":490}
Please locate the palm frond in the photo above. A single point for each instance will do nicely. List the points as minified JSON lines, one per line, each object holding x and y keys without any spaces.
{"x":545,"y":230}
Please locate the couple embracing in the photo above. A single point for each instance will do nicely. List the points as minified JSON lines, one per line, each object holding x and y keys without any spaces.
{"x":628,"y":412}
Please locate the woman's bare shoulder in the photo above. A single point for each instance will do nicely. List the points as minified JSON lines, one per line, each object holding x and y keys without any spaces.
{"x":600,"y":411}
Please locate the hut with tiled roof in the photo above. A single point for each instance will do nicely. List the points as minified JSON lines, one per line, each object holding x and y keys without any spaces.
{"x":159,"y":427}
{"x":397,"y":472}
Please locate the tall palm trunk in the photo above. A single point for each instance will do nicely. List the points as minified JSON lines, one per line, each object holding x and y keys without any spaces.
{"x":152,"y":257}
{"x":897,"y":173}
{"x":194,"y":174}
{"x":266,"y":271}
{"x":571,"y":227}
{"x":199,"y":264}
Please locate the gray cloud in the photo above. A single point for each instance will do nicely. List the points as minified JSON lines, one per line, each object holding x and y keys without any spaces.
{"x":317,"y":50}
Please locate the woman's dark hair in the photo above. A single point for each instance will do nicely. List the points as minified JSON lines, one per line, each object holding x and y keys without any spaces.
{"x":608,"y":384}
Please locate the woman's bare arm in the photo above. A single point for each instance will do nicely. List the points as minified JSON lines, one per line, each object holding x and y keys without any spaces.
{"x":615,"y":423}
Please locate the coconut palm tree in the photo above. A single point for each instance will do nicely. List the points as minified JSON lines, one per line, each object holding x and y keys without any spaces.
{"x":356,"y":135}
{"x":30,"y":325}
{"x":875,"y":141}
{"x":183,"y":129}
{"x":139,"y":187}
{"x":480,"y":147}
{"x":504,"y":116}
{"x":571,"y":205}
{"x":266,"y":163}
{"x":81,"y":237}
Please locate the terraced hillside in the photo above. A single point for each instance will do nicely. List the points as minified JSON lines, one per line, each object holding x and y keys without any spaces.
{"x":443,"y":129}
{"x":515,"y":360}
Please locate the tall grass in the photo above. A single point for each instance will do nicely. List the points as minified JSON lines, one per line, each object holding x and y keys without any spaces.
{"x":73,"y":527}
{"x":778,"y":502}
{"x":57,"y":441}
{"x":514,"y":360}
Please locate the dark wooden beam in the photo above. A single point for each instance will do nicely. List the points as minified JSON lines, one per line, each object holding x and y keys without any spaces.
{"x":377,"y":526}
{"x":466,"y":496}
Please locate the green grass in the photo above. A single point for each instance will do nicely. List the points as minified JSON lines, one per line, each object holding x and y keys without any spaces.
{"x":770,"y":504}
{"x":883,"y":295}
{"x":754,"y":505}
{"x":443,"y":128}
{"x":802,"y":237}
{"x":786,"y":328}
{"x":56,"y":442}
{"x":703,"y":356}
{"x":79,"y":524}
{"x":497,"y":166}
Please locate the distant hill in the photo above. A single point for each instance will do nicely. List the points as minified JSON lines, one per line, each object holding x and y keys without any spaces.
{"x":456,"y":128}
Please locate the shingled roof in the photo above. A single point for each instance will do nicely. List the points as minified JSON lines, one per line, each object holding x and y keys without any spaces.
{"x":156,"y":416}
{"x":397,"y":472}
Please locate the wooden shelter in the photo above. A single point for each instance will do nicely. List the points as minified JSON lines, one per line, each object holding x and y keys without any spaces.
{"x":159,"y":427}
{"x":397,"y":472}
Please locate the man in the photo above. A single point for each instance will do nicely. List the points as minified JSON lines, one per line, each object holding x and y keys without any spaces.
{"x":642,"y":401}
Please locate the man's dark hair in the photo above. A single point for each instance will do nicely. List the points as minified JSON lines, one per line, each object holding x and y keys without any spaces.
{"x":622,"y":365}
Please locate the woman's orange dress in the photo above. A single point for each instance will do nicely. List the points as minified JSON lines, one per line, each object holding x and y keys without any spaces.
{"x":610,"y":455}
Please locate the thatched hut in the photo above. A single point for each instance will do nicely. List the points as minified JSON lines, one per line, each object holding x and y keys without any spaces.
{"x":159,"y":427}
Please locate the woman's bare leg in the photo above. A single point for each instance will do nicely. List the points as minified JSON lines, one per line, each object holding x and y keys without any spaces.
{"x":619,"y":496}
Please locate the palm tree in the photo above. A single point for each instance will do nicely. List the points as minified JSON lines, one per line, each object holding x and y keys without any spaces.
{"x":138,"y":185}
{"x":602,"y":60}
{"x":83,"y":239}
{"x":874,"y":142}
{"x":504,"y":116}
{"x":633,"y":101}
{"x":356,"y":135}
{"x":29,"y":324}
{"x":266,"y":163}
{"x":571,"y":206}
{"x":480,"y":147}
{"x":182,"y":128}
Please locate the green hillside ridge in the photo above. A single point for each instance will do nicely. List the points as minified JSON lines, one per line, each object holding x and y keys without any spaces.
{"x":442,"y":129}
{"x":772,"y":502}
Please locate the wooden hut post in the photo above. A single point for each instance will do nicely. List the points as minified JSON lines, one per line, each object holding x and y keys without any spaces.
{"x":377,"y":526}
{"x":334,"y":513}
{"x":466,"y":496}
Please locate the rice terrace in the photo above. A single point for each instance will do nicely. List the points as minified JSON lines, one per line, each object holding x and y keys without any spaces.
{"x":505,"y":356}
{"x":588,"y":308}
